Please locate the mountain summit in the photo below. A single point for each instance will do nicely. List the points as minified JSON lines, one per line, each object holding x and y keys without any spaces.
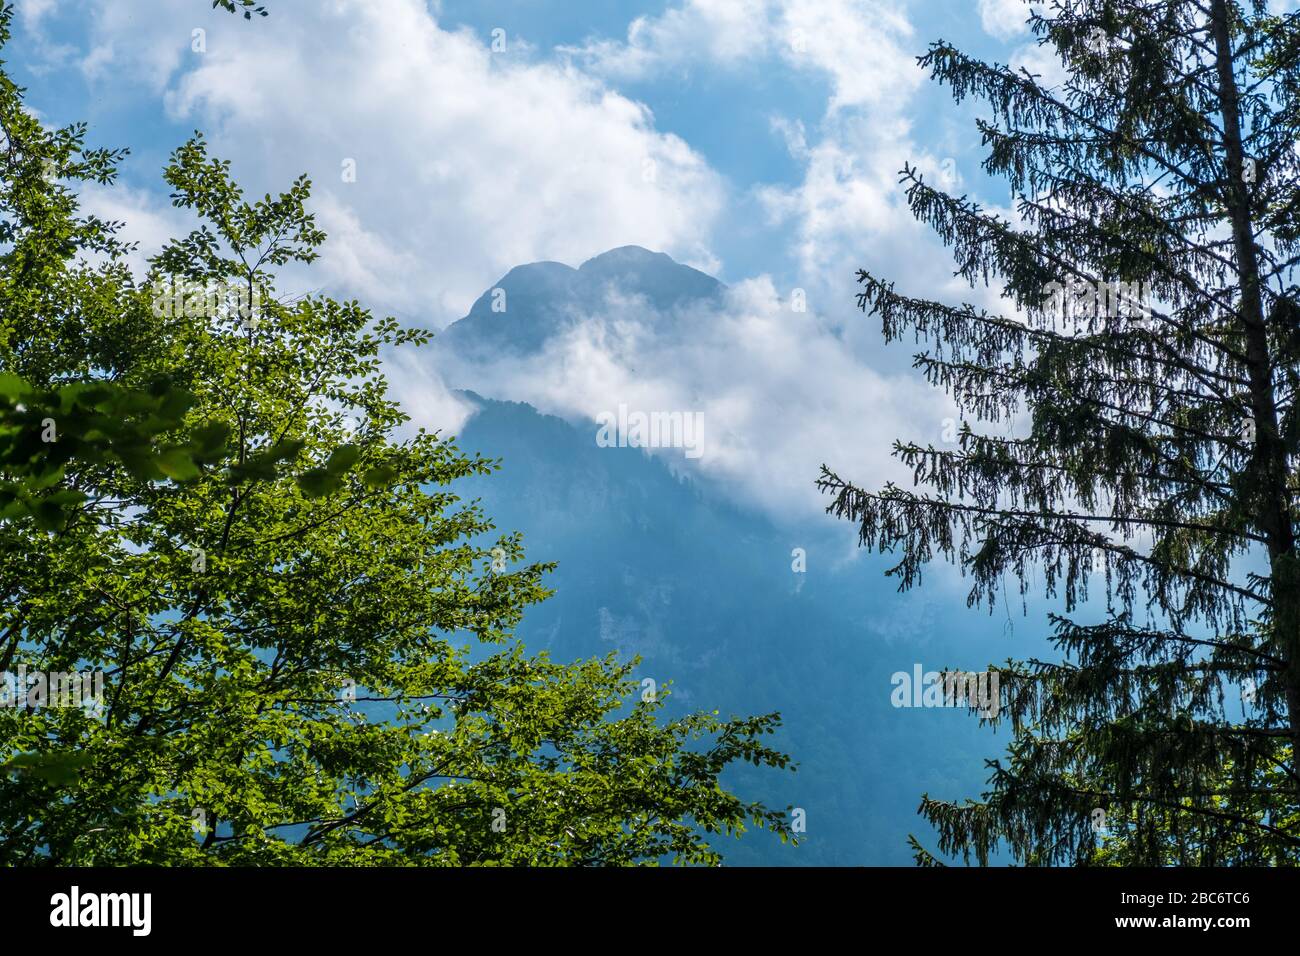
{"x":534,"y":302}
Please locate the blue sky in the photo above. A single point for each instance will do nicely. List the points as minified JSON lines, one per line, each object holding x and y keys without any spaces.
{"x":758,"y":140}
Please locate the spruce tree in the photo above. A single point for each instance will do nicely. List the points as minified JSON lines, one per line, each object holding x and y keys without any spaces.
{"x":1146,"y":361}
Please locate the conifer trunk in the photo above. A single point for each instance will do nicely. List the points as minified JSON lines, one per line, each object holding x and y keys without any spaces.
{"x":1269,"y":465}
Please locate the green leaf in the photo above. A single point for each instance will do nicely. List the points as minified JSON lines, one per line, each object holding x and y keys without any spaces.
{"x":318,"y":482}
{"x":177,"y":465}
{"x":342,"y":458}
{"x":57,"y":767}
{"x":209,"y":442}
{"x":12,"y":387}
{"x":381,"y":476}
{"x":49,"y":516}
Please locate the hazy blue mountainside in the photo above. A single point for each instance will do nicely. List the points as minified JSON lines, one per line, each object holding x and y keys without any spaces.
{"x":656,"y":565}
{"x":651,"y":565}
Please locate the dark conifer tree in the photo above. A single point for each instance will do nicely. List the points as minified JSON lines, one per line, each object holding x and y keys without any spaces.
{"x":1149,"y":358}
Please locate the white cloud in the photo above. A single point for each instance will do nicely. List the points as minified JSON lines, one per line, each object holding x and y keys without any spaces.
{"x":33,"y":12}
{"x":143,"y":219}
{"x":467,"y":162}
{"x":721,"y":31}
{"x":846,"y":211}
{"x":852,"y":42}
{"x":860,"y":44}
{"x":1042,"y":61}
{"x":422,"y":393}
{"x":778,"y":391}
{"x":1004,"y":19}
{"x":849,"y":206}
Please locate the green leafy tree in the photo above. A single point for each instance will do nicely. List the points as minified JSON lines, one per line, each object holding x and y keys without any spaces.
{"x":305,"y":636}
{"x":83,"y":415}
{"x":1148,"y":359}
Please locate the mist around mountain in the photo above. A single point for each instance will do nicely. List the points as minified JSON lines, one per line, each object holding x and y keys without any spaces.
{"x":534,"y":302}
{"x":657,"y":563}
